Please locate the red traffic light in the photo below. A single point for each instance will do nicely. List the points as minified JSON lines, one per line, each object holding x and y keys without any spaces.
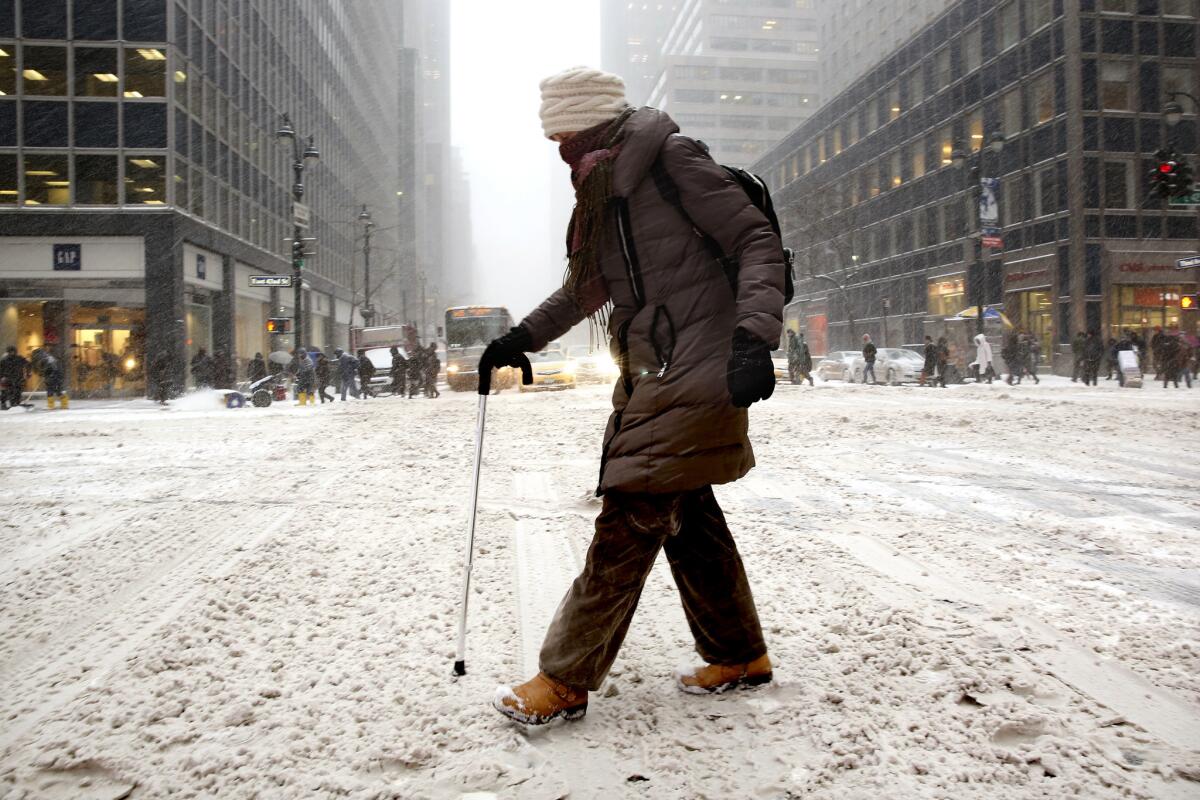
{"x":1166,"y":167}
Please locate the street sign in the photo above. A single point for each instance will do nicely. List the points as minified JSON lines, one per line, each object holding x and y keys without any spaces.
{"x":1187,"y":263}
{"x":1190,"y":199}
{"x":301,"y":215}
{"x":271,"y":281}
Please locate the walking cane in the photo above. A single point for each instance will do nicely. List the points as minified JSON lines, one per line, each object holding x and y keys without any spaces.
{"x":485,"y":388}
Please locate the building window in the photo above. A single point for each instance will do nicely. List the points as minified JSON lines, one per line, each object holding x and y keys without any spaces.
{"x":45,"y":123}
{"x":916,"y":87}
{"x":95,"y":20}
{"x":894,"y":167}
{"x":1041,"y":98}
{"x":96,"y":124}
{"x":1047,"y":193}
{"x":942,"y":74}
{"x":1178,"y":79}
{"x":975,"y":130}
{"x":8,"y":70}
{"x":8,"y":179}
{"x":145,"y":124}
{"x":854,"y":124}
{"x":145,"y":180}
{"x":44,"y":19}
{"x":871,"y":123}
{"x":47,"y":180}
{"x":1038,"y":14}
{"x":947,"y":296}
{"x":1114,"y":86}
{"x":1117,"y":182}
{"x":146,"y":20}
{"x":946,"y":145}
{"x":917,"y":158}
{"x":96,"y":180}
{"x":972,"y":48}
{"x":1008,"y":23}
{"x":96,"y":72}
{"x":1010,"y":113}
{"x":893,"y":102}
{"x":45,"y":70}
{"x":1179,"y":8}
{"x":145,"y":72}
{"x":1116,"y":6}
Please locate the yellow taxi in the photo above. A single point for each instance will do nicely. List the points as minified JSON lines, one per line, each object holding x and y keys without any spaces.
{"x":551,"y":370}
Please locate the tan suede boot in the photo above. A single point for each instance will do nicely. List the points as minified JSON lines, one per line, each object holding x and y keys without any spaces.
{"x":717,"y":678}
{"x":540,"y":700}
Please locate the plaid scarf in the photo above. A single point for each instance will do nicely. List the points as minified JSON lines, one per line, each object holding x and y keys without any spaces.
{"x":591,"y":155}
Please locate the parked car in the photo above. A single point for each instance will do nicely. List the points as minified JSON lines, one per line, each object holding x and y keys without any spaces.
{"x":893,"y":366}
{"x":835,"y":365}
{"x":591,"y":366}
{"x":551,"y":370}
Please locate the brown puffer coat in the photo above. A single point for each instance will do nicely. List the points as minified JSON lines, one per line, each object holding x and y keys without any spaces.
{"x":674,"y":426}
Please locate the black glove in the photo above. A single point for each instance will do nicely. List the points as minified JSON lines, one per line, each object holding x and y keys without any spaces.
{"x":507,"y":351}
{"x":751,"y":374}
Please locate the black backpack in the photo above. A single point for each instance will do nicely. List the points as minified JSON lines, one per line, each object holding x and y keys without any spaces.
{"x":756,"y":189}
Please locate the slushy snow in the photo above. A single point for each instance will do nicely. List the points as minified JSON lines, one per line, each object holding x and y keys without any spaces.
{"x":978,"y":592}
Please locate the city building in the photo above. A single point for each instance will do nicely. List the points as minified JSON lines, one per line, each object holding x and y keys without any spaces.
{"x":1072,"y":96}
{"x":142,"y":183}
{"x":856,"y":35}
{"x":737,"y":74}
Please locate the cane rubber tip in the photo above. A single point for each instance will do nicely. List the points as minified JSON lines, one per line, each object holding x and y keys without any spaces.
{"x":460,"y":668}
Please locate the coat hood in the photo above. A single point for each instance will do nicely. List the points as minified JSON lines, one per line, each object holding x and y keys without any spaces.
{"x":644,"y":134}
{"x":979,"y":338}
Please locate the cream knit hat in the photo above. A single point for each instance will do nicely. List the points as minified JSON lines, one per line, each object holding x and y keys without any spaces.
{"x":580,"y":98}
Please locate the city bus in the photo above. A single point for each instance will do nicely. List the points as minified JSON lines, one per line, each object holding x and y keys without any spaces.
{"x":468,"y":331}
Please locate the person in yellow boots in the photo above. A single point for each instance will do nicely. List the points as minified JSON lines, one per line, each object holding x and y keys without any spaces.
{"x":52,"y":378}
{"x":306,"y":377}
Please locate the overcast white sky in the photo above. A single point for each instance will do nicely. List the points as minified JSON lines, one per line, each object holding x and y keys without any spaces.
{"x":499,"y":53}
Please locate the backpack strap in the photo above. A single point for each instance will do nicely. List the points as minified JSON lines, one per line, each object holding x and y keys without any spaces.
{"x":669,"y":191}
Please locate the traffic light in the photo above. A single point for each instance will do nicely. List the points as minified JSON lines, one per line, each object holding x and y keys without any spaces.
{"x":1172,"y":174}
{"x":279,"y":325}
{"x":1189,"y":302}
{"x":298,"y":252}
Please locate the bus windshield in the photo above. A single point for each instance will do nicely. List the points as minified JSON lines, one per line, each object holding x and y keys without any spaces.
{"x":475,"y":327}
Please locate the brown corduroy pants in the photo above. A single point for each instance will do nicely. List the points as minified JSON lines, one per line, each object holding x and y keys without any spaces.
{"x":593,"y":618}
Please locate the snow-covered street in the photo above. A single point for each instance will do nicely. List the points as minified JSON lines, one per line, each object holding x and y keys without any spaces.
{"x":977,"y":592}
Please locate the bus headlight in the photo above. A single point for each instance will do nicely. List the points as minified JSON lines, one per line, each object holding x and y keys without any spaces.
{"x":453,"y":368}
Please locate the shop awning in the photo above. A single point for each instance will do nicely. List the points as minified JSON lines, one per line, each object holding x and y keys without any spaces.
{"x":988,"y":313}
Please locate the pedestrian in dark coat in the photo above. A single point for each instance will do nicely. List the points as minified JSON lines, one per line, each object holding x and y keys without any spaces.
{"x":347,"y":366}
{"x":943,"y":359}
{"x":799,"y":359}
{"x":1111,"y":358}
{"x":1093,"y":354}
{"x":202,"y":369}
{"x":1175,"y":355}
{"x":161,"y":379}
{"x":399,"y":371}
{"x":366,"y":371}
{"x":868,"y":353}
{"x":1076,"y":356}
{"x":256,"y":370}
{"x":53,"y":377}
{"x":1009,"y":354}
{"x":14,"y":368}
{"x":1157,"y":342}
{"x":416,"y":371}
{"x":324,"y":371}
{"x":929,"y":368}
{"x":306,"y":376}
{"x":433,"y":365}
{"x":693,"y":356}
{"x":1034,"y":357}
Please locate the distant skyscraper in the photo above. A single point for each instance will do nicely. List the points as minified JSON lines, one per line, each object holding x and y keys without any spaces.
{"x":858,"y":34}
{"x":737,"y":74}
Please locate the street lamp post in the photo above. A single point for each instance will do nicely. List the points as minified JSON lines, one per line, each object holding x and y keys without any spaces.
{"x":301,"y":155}
{"x":974,"y":175}
{"x":368,"y":313}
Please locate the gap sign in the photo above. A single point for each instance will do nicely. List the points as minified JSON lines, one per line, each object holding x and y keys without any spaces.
{"x":271,"y":281}
{"x":68,"y":257}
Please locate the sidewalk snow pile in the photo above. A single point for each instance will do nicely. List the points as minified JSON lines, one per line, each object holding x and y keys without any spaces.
{"x":980,"y":592}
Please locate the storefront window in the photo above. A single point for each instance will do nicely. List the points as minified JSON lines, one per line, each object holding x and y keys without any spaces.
{"x":199,"y":330}
{"x":8,"y":179}
{"x":47,"y":180}
{"x":45,"y":70}
{"x":947,"y":297}
{"x":145,"y":180}
{"x":21,"y":325}
{"x":108,"y":350}
{"x":96,"y":180}
{"x":1033,"y":312}
{"x":96,"y":72}
{"x":1141,"y":308}
{"x":145,"y":72}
